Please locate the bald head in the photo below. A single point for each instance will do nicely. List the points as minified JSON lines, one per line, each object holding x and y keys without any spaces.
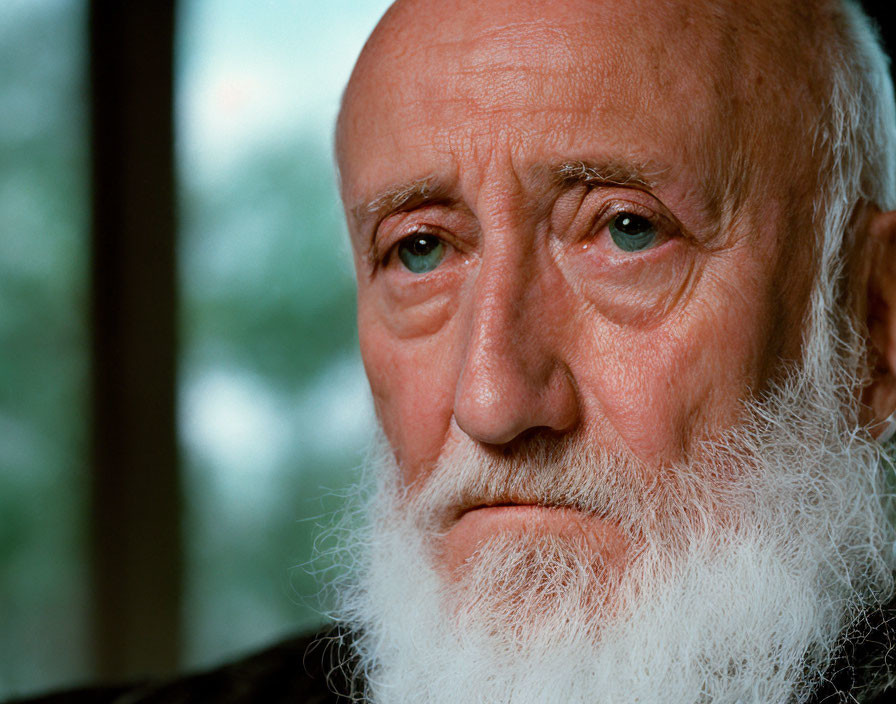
{"x":743,"y":80}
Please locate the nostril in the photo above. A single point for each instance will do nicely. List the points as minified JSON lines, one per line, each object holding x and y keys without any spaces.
{"x":507,"y":402}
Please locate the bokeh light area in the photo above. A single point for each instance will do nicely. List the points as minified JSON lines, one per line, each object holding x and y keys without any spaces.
{"x":275,"y":411}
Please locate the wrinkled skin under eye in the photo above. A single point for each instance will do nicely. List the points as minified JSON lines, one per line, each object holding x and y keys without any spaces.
{"x":421,"y":253}
{"x":633,"y":233}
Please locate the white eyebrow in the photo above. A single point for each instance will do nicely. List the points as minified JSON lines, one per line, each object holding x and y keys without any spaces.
{"x":401,"y":196}
{"x":609,"y":172}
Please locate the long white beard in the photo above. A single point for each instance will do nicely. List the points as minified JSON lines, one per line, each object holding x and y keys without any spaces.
{"x":755,"y":559}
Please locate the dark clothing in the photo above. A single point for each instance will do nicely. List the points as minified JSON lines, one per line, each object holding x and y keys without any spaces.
{"x":302,"y":670}
{"x":312,"y":670}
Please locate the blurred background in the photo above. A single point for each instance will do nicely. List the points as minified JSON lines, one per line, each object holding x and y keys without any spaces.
{"x":181,"y":399}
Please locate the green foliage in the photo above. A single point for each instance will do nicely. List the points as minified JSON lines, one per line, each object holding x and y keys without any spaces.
{"x":43,"y":206}
{"x":268,"y":294}
{"x":267,"y":291}
{"x":265,"y":269}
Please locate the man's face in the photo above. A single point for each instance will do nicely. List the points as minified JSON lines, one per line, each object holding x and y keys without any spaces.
{"x":621,"y":452}
{"x":554,"y":242}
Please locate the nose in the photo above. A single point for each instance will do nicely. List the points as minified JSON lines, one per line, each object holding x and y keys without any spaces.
{"x":514,"y":377}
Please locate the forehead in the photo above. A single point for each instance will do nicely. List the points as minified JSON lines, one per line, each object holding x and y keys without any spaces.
{"x":473,"y":89}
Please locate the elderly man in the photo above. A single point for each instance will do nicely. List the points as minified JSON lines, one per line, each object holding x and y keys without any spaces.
{"x":627,"y":305}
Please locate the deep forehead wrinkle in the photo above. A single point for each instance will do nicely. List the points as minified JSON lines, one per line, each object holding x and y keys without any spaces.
{"x":430,"y":189}
{"x":743,"y":54}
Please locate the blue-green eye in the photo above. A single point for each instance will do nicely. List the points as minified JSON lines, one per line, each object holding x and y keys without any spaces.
{"x":632,"y":233}
{"x":421,"y":253}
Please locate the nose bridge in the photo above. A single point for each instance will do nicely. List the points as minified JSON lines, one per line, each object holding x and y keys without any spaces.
{"x":513,"y":377}
{"x":503,"y":306}
{"x":508,"y":271}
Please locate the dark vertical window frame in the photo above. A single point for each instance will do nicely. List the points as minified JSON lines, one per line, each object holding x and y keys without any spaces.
{"x":136,"y":558}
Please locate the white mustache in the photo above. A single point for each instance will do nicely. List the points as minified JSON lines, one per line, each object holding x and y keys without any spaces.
{"x":713,"y":486}
{"x":600,"y":484}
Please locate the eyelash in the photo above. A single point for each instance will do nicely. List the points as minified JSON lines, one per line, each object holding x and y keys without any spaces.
{"x":616,"y":207}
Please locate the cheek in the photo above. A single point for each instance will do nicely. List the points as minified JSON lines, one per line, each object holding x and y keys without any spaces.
{"x":412,"y":380}
{"x":663,"y":387}
{"x":662,"y":391}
